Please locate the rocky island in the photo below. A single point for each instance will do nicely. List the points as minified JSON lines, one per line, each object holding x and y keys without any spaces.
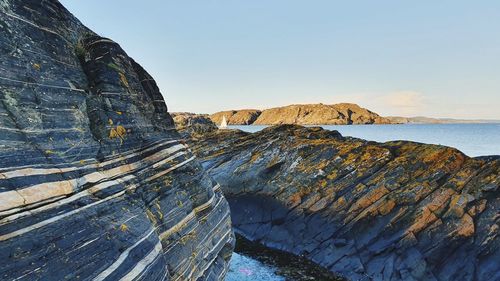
{"x":324,"y":114}
{"x":303,"y":114}
{"x":95,"y":183}
{"x":366,"y":210}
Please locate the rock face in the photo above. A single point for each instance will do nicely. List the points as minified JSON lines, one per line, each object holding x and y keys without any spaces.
{"x":94,"y":182}
{"x":192,"y":124}
{"x":367,"y":210}
{"x":236,"y":117}
{"x":303,"y":114}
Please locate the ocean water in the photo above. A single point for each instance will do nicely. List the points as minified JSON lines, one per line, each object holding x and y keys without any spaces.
{"x":472,"y":139}
{"x":254,"y":262}
{"x":244,"y":268}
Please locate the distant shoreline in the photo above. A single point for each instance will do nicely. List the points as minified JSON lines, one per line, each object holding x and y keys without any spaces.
{"x":324,"y":114}
{"x":312,"y":125}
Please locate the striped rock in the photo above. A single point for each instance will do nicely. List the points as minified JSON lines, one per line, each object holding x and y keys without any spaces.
{"x":94,"y":181}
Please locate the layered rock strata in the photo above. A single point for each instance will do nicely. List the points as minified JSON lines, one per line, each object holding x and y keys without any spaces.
{"x":369,"y":211}
{"x":94,"y":182}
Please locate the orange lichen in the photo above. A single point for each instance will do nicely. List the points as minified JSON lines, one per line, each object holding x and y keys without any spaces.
{"x":323,"y":183}
{"x":369,"y":198}
{"x":123,"y":227}
{"x":340,"y":203}
{"x":117,"y":132}
{"x":425,"y":218}
{"x":123,"y":79}
{"x":386,"y":207}
{"x":255,"y":156}
{"x":466,"y":226}
{"x":439,"y":200}
{"x":294,"y":200}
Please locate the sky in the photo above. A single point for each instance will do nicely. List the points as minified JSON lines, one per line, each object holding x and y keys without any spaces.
{"x":406,"y":58}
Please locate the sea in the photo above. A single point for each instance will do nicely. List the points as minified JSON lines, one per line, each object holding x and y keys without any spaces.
{"x":472,"y":139}
{"x":245,"y":268}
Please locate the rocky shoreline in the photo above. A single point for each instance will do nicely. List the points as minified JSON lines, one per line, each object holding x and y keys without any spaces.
{"x":369,"y":211}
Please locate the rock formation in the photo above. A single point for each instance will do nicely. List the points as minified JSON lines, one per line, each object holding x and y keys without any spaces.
{"x":303,"y":114}
{"x":193,"y":124}
{"x":236,"y":117}
{"x":370,"y":211}
{"x":314,"y":114}
{"x":94,"y":182}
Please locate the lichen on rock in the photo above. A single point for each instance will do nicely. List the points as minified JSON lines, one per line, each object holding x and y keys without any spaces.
{"x":369,"y":211}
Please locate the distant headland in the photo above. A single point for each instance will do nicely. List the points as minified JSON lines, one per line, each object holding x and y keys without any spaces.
{"x":324,"y":114}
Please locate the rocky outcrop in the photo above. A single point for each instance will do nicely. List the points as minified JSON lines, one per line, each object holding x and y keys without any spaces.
{"x":191,"y":124}
{"x":320,"y":114}
{"x":370,"y":211}
{"x":303,"y":114}
{"x":236,"y":117}
{"x":94,"y":182}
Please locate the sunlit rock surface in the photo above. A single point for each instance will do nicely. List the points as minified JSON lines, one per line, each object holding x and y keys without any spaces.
{"x":367,"y":210}
{"x":94,"y":182}
{"x":302,"y":114}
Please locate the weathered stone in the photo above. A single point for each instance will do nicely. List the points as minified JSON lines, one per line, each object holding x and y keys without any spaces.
{"x":94,"y":182}
{"x":382,"y":211}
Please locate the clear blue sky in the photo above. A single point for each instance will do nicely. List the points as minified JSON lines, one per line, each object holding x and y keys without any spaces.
{"x":433,"y":58}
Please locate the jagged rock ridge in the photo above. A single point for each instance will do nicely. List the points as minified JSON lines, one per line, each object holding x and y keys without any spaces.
{"x":370,"y":211}
{"x":94,"y":182}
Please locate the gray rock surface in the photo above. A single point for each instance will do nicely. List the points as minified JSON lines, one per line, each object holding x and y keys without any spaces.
{"x":192,"y":125}
{"x":94,"y":182}
{"x":367,"y":210}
